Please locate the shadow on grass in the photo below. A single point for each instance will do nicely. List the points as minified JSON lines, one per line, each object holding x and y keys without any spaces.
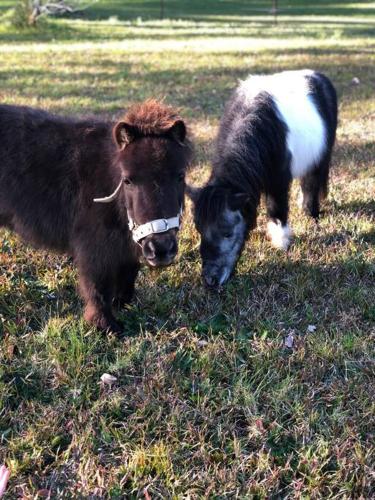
{"x":211,"y":10}
{"x":358,"y":154}
{"x":358,"y":208}
{"x":155,"y":304}
{"x":277,"y":292}
{"x":203,"y":91}
{"x":94,"y":30}
{"x":16,"y":305}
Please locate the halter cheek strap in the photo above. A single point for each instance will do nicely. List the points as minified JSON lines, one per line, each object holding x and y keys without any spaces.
{"x":141,"y":231}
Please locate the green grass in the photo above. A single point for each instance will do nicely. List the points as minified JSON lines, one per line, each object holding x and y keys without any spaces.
{"x":209,"y":402}
{"x":211,"y":9}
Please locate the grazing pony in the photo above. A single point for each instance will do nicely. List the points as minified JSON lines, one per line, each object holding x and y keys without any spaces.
{"x":275,"y":128}
{"x":56,"y":179}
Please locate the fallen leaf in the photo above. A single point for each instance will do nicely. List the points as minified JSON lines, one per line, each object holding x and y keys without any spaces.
{"x":108,"y":379}
{"x":202,"y":343}
{"x":44,"y":493}
{"x":289,"y":341}
{"x":259,"y":425}
{"x":4,"y":476}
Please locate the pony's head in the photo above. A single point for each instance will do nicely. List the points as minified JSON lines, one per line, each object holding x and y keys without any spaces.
{"x":152,"y":156}
{"x":220,"y":219}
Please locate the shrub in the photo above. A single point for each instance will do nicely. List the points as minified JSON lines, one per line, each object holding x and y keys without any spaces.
{"x":21,"y":16}
{"x":27,"y":12}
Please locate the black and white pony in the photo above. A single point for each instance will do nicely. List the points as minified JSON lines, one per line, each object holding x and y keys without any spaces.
{"x":275,"y":128}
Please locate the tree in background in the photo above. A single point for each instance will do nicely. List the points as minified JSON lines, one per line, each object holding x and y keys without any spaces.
{"x":161,"y":9}
{"x":274,"y":9}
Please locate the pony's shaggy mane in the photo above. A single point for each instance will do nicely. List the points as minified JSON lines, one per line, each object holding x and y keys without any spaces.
{"x":152,"y":117}
{"x":210,"y":202}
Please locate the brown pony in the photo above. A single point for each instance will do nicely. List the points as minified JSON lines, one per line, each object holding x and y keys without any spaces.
{"x":56,"y":179}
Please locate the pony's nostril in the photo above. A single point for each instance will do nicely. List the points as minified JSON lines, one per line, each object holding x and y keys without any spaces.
{"x":172,"y":247}
{"x":211,"y":281}
{"x":149,"y":250}
{"x":159,"y":250}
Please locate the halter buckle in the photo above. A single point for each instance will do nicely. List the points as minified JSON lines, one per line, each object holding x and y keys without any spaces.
{"x":159,"y":225}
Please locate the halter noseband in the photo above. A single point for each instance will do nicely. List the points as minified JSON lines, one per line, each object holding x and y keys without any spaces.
{"x":153,"y":227}
{"x":141,"y":231}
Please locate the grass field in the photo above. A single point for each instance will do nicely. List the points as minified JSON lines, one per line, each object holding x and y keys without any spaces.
{"x":209,"y":401}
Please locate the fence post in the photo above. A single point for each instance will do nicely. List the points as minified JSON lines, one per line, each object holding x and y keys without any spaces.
{"x":274,"y":10}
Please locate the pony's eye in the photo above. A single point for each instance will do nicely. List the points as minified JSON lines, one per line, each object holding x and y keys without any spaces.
{"x":227,"y":235}
{"x":127,"y":181}
{"x":181,"y":177}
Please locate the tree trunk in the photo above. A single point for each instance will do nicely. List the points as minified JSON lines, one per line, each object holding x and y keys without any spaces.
{"x":35,"y":13}
{"x":161,"y":9}
{"x":274,"y":9}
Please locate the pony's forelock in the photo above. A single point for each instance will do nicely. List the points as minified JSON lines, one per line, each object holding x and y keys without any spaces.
{"x":213,"y":200}
{"x":210,"y":203}
{"x":152,"y":117}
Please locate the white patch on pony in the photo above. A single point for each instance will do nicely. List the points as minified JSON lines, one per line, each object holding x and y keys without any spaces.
{"x":219,"y":269}
{"x":290,"y":91}
{"x":300,"y":199}
{"x":279,"y":235}
{"x":230,"y":247}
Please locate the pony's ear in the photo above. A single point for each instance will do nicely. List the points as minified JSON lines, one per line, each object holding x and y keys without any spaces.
{"x":178,"y":131}
{"x":237,"y":201}
{"x":124,"y":134}
{"x":193,"y":192}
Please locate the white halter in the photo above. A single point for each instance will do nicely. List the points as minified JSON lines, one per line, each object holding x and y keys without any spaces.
{"x":153,"y":227}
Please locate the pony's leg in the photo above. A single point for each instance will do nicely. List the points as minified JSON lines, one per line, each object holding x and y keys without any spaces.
{"x":6,"y":220}
{"x":324,"y":178}
{"x":277,"y":201}
{"x":314,"y":186}
{"x":125,"y":281}
{"x":97,"y":292}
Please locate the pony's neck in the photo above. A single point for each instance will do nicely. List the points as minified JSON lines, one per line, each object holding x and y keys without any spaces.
{"x":238,"y":179}
{"x":242,"y":171}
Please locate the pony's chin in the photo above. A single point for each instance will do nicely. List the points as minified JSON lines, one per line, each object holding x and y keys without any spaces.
{"x":216,"y":281}
{"x":159,"y":262}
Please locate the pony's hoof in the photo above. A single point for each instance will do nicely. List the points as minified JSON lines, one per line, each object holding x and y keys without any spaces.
{"x":280,"y":236}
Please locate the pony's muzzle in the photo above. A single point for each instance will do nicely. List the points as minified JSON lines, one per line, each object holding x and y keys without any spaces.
{"x":211,"y":281}
{"x":160,"y":249}
{"x":214,"y":276}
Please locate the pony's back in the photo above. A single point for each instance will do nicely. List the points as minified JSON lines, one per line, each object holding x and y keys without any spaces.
{"x":297,"y":109}
{"x":42,"y":157}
